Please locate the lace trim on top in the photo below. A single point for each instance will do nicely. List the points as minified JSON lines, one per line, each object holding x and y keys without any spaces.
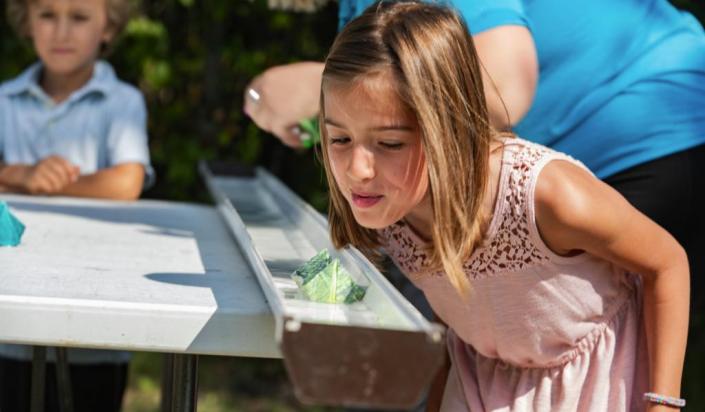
{"x":507,"y":245}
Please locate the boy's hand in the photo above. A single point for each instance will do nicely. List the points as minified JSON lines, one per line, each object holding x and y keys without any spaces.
{"x":49,"y":176}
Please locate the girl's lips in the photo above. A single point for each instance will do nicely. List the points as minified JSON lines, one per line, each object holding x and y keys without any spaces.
{"x":365,"y":201}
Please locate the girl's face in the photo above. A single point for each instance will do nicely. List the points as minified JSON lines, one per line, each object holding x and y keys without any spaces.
{"x":67,"y":34}
{"x":375,"y":151}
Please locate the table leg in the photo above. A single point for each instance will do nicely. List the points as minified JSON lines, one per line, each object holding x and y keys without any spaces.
{"x":167,"y":381}
{"x":63,"y":381}
{"x":39,"y":367}
{"x":185,"y":383}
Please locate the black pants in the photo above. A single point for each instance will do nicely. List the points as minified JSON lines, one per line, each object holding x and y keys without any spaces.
{"x":95,"y":387}
{"x":671,"y":191}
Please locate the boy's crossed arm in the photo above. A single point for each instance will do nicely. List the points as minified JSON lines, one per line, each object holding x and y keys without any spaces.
{"x":48,"y":176}
{"x":55,"y":175}
{"x":121,"y":182}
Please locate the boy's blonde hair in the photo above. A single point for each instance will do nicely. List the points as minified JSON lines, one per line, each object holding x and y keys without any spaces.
{"x":430,"y":54}
{"x":119,"y":13}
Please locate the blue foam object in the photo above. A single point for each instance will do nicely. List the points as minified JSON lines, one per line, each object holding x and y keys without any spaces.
{"x":11,"y":229}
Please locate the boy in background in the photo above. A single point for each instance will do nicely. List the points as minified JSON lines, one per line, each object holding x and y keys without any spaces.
{"x":70,"y":127}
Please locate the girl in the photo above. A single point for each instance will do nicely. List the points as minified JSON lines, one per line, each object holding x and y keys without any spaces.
{"x":539,"y":270}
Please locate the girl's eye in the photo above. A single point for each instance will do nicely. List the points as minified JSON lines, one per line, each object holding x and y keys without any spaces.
{"x":46,"y":15}
{"x":339,"y":140}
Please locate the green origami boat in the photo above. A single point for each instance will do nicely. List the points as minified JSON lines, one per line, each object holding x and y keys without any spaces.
{"x":322,"y":279}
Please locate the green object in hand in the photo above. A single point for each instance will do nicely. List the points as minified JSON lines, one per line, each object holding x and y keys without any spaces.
{"x":322,"y":279}
{"x":310,"y":128}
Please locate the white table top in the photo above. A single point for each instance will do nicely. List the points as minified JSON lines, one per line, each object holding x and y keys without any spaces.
{"x":146,"y":276}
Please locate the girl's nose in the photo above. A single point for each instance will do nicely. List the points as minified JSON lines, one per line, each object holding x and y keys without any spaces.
{"x":362,"y":164}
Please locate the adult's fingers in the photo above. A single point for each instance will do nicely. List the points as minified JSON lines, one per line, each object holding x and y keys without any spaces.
{"x":289,"y":135}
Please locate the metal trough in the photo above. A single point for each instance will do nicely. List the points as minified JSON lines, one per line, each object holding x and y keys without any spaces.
{"x":380,"y":352}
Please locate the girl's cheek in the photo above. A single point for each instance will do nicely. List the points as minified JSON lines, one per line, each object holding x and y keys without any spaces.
{"x":335,"y":164}
{"x":333,"y":169}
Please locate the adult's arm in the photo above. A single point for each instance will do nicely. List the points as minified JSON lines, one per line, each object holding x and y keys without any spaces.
{"x":510,"y":72}
{"x":290,"y":93}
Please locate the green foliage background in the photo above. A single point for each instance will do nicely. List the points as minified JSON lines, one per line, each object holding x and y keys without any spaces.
{"x":192,"y":60}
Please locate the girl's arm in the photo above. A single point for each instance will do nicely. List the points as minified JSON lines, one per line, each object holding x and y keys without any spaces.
{"x":120,"y":182}
{"x":577,"y":212}
{"x":510,"y":70}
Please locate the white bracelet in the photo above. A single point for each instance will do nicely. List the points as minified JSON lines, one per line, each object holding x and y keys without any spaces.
{"x":664,"y":400}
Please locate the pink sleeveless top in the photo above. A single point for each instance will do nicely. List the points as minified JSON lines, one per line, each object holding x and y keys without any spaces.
{"x":539,"y":332}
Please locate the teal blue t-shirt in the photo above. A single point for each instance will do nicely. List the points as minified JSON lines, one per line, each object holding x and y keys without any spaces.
{"x":621,"y":82}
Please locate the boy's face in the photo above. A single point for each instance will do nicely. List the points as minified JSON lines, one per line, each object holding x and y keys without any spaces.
{"x":67,"y":34}
{"x":375,"y":151}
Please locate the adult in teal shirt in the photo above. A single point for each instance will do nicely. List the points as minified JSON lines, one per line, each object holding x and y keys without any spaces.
{"x":617,"y":84}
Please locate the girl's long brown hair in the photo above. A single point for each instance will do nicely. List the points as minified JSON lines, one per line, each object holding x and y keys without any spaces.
{"x":430,"y":53}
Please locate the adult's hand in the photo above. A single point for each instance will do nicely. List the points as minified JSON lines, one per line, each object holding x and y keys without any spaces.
{"x":281,"y":96}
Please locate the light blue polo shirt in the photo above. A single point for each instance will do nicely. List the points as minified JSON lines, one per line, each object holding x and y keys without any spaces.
{"x":102,"y":124}
{"x":621,"y":82}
